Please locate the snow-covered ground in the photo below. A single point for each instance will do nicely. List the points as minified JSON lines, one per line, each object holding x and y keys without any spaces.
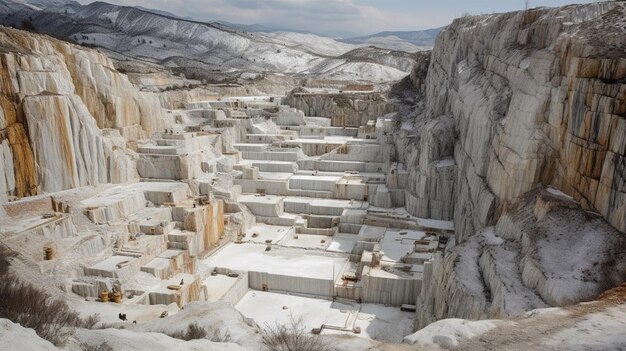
{"x":375,"y":321}
{"x":579,"y":328}
{"x":15,"y":337}
{"x":604,"y":330}
{"x":176,"y":42}
{"x":281,"y":261}
{"x":449,"y":333}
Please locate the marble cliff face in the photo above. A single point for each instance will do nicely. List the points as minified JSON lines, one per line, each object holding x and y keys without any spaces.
{"x":67,"y":116}
{"x":516,"y":132}
{"x":511,"y":103}
{"x":524,"y":99}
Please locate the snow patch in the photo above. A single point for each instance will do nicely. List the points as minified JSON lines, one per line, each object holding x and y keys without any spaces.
{"x":448,"y":333}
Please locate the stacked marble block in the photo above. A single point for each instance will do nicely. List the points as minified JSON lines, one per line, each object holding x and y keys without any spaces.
{"x":163,"y":240}
{"x":176,"y":155}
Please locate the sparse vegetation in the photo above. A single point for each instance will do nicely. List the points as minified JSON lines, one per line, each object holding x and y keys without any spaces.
{"x":292,"y":337}
{"x":30,"y":307}
{"x":194,"y":331}
{"x":102,"y":347}
{"x":28,"y":25}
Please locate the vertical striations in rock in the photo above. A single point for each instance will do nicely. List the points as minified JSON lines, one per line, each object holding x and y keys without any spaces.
{"x":537,"y":98}
{"x":529,"y":100}
{"x":19,"y":177}
{"x":67,"y":116}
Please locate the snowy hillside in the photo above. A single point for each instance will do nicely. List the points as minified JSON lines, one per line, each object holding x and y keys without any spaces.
{"x":409,"y":41}
{"x":180,"y":43}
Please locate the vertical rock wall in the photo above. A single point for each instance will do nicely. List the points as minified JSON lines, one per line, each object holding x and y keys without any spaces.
{"x":526,"y":99}
{"x":67,"y":116}
{"x":344,"y":110}
{"x":535,"y":97}
{"x":17,"y":176}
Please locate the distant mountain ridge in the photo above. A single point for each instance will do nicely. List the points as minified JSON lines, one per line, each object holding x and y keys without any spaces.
{"x":409,"y":41}
{"x":195,"y":48}
{"x":422,"y":39}
{"x":163,"y":13}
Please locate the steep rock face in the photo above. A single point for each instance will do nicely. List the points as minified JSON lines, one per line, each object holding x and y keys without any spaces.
{"x":537,"y":97}
{"x":432,"y":170}
{"x":515,"y":102}
{"x":551,"y":114}
{"x":67,"y":116}
{"x":520,"y":264}
{"x":344,"y":110}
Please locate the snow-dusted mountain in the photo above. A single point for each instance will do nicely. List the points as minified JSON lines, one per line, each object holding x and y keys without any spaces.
{"x":409,"y":41}
{"x":198,"y":46}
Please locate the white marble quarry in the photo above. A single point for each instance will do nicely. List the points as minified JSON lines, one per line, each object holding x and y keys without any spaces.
{"x":114,"y":267}
{"x":391,"y":285}
{"x":220,"y":286}
{"x":68,"y":96}
{"x":171,"y":291}
{"x":281,"y":269}
{"x":491,"y":189}
{"x":121,"y":202}
{"x":263,"y":205}
{"x":337,"y":317}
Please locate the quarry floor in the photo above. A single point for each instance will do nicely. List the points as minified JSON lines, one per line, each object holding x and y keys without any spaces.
{"x":376,"y":322}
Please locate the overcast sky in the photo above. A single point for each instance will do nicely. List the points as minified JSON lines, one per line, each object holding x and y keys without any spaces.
{"x":337,"y":17}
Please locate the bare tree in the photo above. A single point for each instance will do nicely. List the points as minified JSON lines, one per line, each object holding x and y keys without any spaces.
{"x":101,"y":347}
{"x":526,"y":4}
{"x":194,"y":331}
{"x":52,"y":319}
{"x":292,"y":337}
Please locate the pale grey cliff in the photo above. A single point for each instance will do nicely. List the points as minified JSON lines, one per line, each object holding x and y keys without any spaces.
{"x":536,"y":98}
{"x":511,"y":103}
{"x":67,"y":117}
{"x":345,"y":109}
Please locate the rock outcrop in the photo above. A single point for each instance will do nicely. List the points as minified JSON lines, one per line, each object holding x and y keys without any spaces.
{"x":344,"y":110}
{"x":544,"y":251}
{"x":537,"y":97}
{"x":512,"y":103}
{"x":67,"y":116}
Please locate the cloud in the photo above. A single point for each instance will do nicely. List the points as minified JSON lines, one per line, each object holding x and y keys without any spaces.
{"x":333,"y":17}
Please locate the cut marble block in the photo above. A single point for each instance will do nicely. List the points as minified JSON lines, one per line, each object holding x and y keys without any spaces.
{"x":183,"y":240}
{"x":156,"y":227}
{"x":159,"y":267}
{"x":180,"y":260}
{"x":171,"y":291}
{"x":351,"y":187}
{"x":371,"y":233}
{"x":382,"y":197}
{"x":122,"y":267}
{"x":120,"y":202}
{"x":340,"y":166}
{"x":266,"y":206}
{"x":290,"y":117}
{"x":316,"y":183}
{"x":114,"y":205}
{"x":326,"y":207}
{"x":144,"y":247}
{"x":394,"y":285}
{"x":207,"y":221}
{"x":273,"y":187}
{"x":291,"y":156}
{"x":90,"y":287}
